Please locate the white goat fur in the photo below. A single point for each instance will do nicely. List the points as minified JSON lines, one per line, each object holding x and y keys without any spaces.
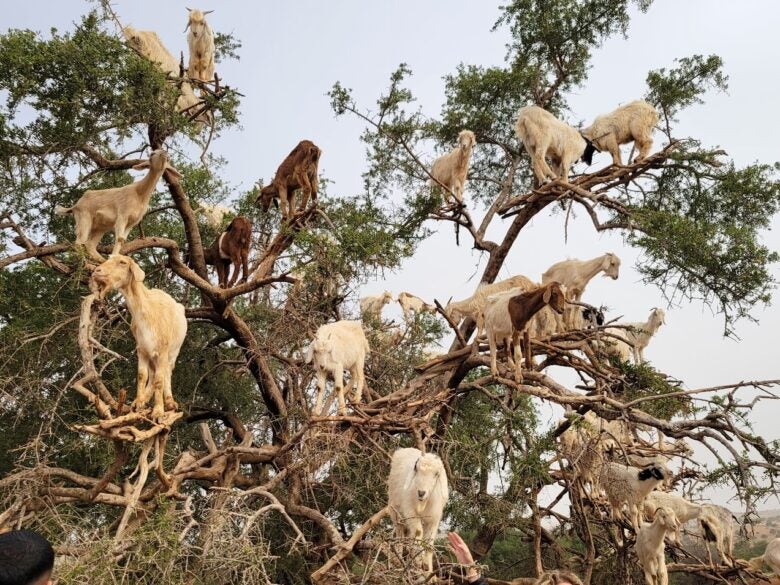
{"x":337,"y":347}
{"x":451,"y":169}
{"x":771,"y":557}
{"x":158,"y":326}
{"x":413,"y":304}
{"x":576,"y":274}
{"x":214,"y":214}
{"x":638,"y":337}
{"x":633,"y":121}
{"x":682,"y":508}
{"x":474,"y":305}
{"x":623,"y":487}
{"x":200,"y":39}
{"x":417,"y":492}
{"x":717,"y":526}
{"x":544,"y":135}
{"x":650,"y":546}
{"x":372,"y":305}
{"x":117,"y":209}
{"x":148,"y":44}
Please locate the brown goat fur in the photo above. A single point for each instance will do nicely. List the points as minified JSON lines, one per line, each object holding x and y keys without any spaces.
{"x":231,"y":247}
{"x":297,"y":171}
{"x":525,"y":305}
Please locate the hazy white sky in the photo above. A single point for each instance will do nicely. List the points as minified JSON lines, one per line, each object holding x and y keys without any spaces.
{"x":294,"y":51}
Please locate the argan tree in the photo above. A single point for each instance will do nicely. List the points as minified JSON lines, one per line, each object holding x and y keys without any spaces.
{"x":244,"y":484}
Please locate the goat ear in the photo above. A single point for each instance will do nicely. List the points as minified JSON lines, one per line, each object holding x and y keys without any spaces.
{"x":410,"y":477}
{"x":547,"y":295}
{"x":309,"y":354}
{"x":138,"y":274}
{"x":645,"y":474}
{"x":172,"y":171}
{"x":141,"y":166}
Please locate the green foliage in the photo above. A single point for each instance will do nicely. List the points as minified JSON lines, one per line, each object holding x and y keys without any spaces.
{"x":677,"y":88}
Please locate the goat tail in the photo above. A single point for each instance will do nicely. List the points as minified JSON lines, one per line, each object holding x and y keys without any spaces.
{"x":60,"y":210}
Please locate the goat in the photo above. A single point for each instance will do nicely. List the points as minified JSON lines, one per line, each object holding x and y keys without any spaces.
{"x":544,"y":135}
{"x":200,"y":40}
{"x":214,"y":214}
{"x":633,"y":121}
{"x":635,"y":340}
{"x":650,"y":545}
{"x":771,"y":557}
{"x":297,"y":171}
{"x":158,"y":326}
{"x":627,"y":485}
{"x":450,"y":170}
{"x":337,"y":347}
{"x":413,"y":304}
{"x":717,"y":526}
{"x":117,"y":209}
{"x":147,"y":43}
{"x":417,"y":491}
{"x":231,"y":247}
{"x":682,"y":508}
{"x":592,"y":317}
{"x":508,"y":315}
{"x":576,"y":274}
{"x":474,"y":305}
{"x":372,"y":305}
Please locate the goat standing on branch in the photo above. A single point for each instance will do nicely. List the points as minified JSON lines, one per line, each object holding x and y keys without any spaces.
{"x":417,"y":492}
{"x":451,"y":169}
{"x":336,"y":347}
{"x":147,"y":43}
{"x":544,"y":135}
{"x":117,"y":209}
{"x":231,"y":247}
{"x":633,"y":121}
{"x":637,"y":338}
{"x":158,"y":326}
{"x":200,"y":39}
{"x":297,"y":171}
{"x":650,"y":546}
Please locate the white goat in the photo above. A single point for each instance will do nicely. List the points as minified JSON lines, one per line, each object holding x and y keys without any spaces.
{"x":450,"y":170}
{"x":372,"y":305}
{"x":158,"y":326}
{"x":200,"y":39}
{"x":771,"y":557}
{"x":148,"y":44}
{"x":474,"y":305}
{"x":717,"y":526}
{"x":633,"y":121}
{"x":117,"y":209}
{"x":576,"y":274}
{"x":628,"y":486}
{"x":544,"y":135}
{"x":417,"y":492}
{"x":412,"y":304}
{"x":682,"y":508}
{"x":337,"y":347}
{"x":214,"y":214}
{"x":636,"y":339}
{"x":650,"y":545}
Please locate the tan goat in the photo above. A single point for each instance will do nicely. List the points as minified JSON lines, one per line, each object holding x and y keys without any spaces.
{"x":117,"y":209}
{"x":297,"y":171}
{"x":450,"y":170}
{"x":158,"y":326}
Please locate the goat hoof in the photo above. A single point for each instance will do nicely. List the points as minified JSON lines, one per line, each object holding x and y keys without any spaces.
{"x":171,"y":404}
{"x":157,"y":413}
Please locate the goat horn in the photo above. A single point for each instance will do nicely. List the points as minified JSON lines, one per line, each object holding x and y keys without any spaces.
{"x":208,"y":12}
{"x":189,"y":9}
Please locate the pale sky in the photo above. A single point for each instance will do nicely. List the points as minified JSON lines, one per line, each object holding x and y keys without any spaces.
{"x":293,"y":52}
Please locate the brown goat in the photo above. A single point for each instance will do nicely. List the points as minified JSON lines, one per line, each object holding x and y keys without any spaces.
{"x":297,"y":171}
{"x":231,"y":247}
{"x":524,"y":306}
